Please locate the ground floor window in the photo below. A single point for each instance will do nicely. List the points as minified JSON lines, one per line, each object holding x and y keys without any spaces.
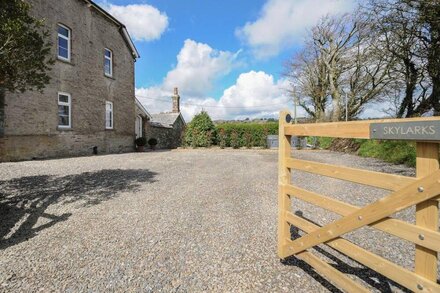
{"x":108,"y":115}
{"x":64,"y":110}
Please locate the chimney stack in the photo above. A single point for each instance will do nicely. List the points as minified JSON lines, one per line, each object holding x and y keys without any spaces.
{"x":176,"y":101}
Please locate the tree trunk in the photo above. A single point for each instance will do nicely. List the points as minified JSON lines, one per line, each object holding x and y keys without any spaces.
{"x":430,"y":13}
{"x":320,"y":114}
{"x":411,"y":78}
{"x":435,"y":96}
{"x":2,"y":112}
{"x":334,"y":92}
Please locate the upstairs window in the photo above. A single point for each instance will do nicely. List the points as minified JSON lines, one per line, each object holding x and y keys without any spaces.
{"x":63,"y":42}
{"x":108,"y":115}
{"x":64,"y":110}
{"x":108,"y":63}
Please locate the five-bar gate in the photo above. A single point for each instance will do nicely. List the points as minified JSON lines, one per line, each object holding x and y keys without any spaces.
{"x":422,"y":191}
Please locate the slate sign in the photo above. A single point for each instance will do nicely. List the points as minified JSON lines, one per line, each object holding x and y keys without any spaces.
{"x":417,"y":130}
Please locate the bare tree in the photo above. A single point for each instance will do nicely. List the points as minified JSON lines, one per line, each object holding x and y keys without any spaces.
{"x":409,"y":33}
{"x":429,"y":19}
{"x":353,"y":64}
{"x":332,"y":37}
{"x":367,"y":77}
{"x":308,"y":76}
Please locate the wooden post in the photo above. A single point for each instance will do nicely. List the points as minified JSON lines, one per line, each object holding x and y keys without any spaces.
{"x":284,"y":177}
{"x":426,"y":212}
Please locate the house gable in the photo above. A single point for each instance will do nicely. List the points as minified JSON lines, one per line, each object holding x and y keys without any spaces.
{"x":122,"y":29}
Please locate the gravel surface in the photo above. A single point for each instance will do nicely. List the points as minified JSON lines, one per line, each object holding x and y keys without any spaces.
{"x":172,"y":221}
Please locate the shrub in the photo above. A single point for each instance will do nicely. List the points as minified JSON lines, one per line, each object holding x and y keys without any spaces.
{"x":201,"y":131}
{"x":141,"y":141}
{"x":263,"y":139}
{"x":235,"y":139}
{"x":258,"y":132}
{"x":194,"y":138}
{"x":152,"y":142}
{"x":397,"y":152}
{"x":313,"y":141}
{"x":222,"y":138}
{"x":208,"y":138}
{"x":248,"y":140}
{"x":325,"y":142}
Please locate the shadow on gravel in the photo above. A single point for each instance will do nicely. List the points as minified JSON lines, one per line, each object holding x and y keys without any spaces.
{"x":372,"y":278}
{"x":24,"y":201}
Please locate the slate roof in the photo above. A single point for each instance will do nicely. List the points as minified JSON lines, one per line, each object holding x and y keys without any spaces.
{"x":165,"y":120}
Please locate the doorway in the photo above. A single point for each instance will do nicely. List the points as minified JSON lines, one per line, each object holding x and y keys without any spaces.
{"x":138,"y":126}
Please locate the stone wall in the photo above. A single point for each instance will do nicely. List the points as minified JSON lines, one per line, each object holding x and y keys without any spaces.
{"x":168,"y":138}
{"x":31,"y":118}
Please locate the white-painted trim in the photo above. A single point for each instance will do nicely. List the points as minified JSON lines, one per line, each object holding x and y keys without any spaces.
{"x":111,"y":62}
{"x":142,"y":108}
{"x":138,"y":126}
{"x":130,"y":42}
{"x":69,"y":104}
{"x":68,"y":43}
{"x":111,"y":115}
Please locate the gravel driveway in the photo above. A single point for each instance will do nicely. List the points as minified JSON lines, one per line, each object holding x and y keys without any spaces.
{"x":172,"y":221}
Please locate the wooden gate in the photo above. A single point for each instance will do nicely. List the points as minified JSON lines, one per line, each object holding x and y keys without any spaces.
{"x":422,"y":191}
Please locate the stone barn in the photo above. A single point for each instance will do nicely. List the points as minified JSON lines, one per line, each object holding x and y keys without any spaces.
{"x":167,"y":128}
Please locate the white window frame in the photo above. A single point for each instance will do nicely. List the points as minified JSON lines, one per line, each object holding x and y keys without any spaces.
{"x":111,"y":62}
{"x":139,"y":126}
{"x":69,"y":104}
{"x":111,"y":116}
{"x":68,"y":42}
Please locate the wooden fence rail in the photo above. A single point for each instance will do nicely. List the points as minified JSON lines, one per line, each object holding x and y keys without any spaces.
{"x":422,"y":191}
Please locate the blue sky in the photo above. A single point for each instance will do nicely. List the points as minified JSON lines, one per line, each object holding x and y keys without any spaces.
{"x":225,"y":56}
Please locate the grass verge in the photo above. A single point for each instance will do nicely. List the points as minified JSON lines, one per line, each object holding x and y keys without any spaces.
{"x":396,"y":152}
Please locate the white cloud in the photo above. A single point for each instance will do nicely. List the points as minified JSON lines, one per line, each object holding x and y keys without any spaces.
{"x":283,"y":22}
{"x":254,"y":95}
{"x":198,"y":66}
{"x":144,"y":22}
{"x":155,"y":99}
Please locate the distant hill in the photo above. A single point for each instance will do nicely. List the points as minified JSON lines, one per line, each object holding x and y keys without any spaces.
{"x":258,"y":120}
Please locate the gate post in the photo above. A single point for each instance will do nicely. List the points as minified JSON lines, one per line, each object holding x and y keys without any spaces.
{"x":427,"y":162}
{"x":284,"y":177}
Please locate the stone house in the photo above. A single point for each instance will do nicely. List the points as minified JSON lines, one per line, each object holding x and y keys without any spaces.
{"x":167,"y":128}
{"x":89,"y":105}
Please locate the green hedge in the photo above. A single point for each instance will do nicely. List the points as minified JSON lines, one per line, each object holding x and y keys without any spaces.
{"x":396,"y":152}
{"x":247,"y":134}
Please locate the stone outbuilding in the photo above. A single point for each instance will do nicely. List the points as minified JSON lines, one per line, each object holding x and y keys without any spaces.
{"x":167,"y":128}
{"x":142,"y":118}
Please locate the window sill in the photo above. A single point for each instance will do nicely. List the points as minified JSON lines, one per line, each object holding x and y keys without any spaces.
{"x":60,"y":128}
{"x":65,"y":61}
{"x":109,"y":76}
{"x":109,"y":129}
